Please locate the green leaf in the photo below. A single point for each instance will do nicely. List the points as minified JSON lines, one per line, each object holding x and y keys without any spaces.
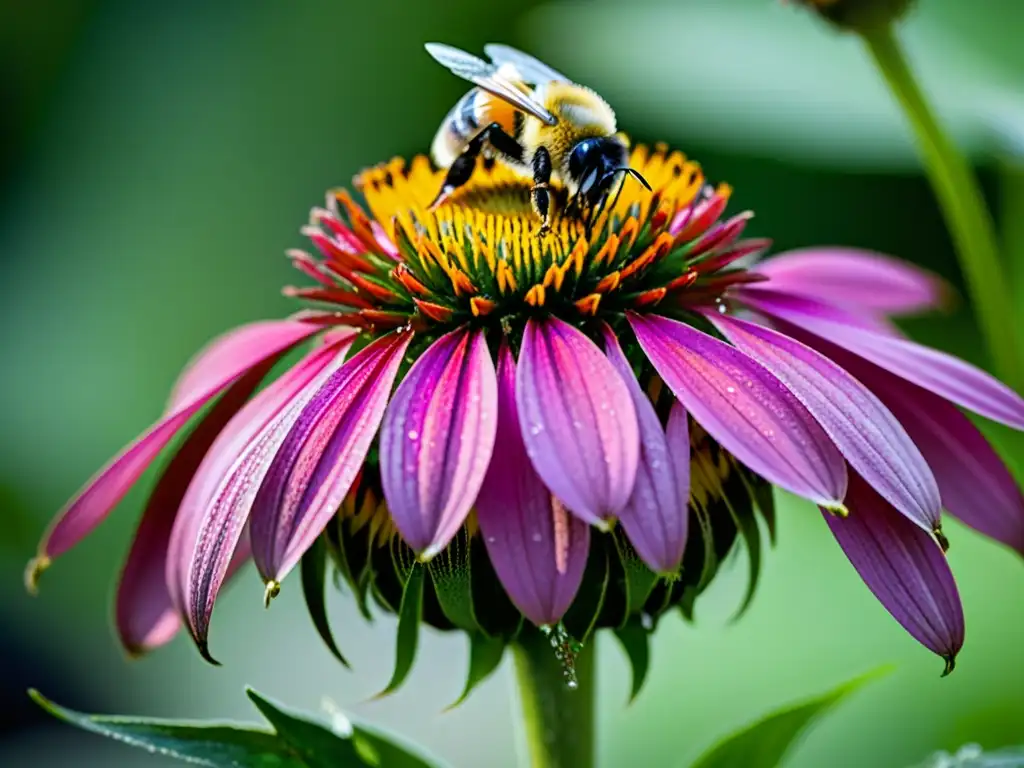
{"x":635,"y":641}
{"x":409,"y":615}
{"x":357,"y":579}
{"x":453,"y":585}
{"x":210,"y":745}
{"x":316,"y":745}
{"x":314,"y":573}
{"x":640,"y":579}
{"x":582,"y":615}
{"x":741,"y":510}
{"x":485,"y":654}
{"x":765,"y":743}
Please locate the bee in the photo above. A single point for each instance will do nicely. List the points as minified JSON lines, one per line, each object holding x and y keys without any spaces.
{"x":537,"y":121}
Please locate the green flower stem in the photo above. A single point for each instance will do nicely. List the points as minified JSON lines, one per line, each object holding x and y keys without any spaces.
{"x":1012,"y":221}
{"x":558,"y":720}
{"x":962,"y":204}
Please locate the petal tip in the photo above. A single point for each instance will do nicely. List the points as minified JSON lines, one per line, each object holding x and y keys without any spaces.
{"x":272,"y":590}
{"x":950,"y":665}
{"x":33,"y":571}
{"x":836,"y":508}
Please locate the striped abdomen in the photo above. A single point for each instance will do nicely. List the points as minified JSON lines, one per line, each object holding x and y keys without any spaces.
{"x":472,"y":113}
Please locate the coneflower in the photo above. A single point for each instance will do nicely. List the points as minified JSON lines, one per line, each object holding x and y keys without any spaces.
{"x":573,"y":429}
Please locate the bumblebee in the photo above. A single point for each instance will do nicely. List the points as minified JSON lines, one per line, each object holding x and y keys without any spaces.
{"x":536,"y":120}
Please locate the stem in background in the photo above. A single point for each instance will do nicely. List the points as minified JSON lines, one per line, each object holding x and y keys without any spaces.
{"x":962,"y":205}
{"x":558,"y":721}
{"x":1012,"y":220}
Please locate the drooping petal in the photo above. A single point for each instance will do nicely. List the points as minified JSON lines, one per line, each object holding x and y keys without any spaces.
{"x":943,"y":374}
{"x":538,"y":549}
{"x":321,"y":456}
{"x":437,"y":438}
{"x":218,"y":366}
{"x":577,"y":420}
{"x":146,"y":617}
{"x":745,"y":408}
{"x":234,"y":352}
{"x":656,"y":517}
{"x":904,"y":568}
{"x":863,"y":429}
{"x":862,"y":281}
{"x":218,"y":500}
{"x":975,"y":484}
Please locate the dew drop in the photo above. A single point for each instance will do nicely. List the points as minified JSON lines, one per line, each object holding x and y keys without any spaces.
{"x":567,"y":648}
{"x":537,"y":537}
{"x":731,"y":390}
{"x":536,"y":429}
{"x":647,"y":621}
{"x":413,"y":434}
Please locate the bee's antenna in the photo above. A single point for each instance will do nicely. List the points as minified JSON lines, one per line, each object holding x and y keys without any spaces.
{"x":635,"y":174}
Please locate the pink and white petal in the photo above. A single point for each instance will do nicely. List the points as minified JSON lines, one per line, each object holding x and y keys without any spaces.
{"x":863,"y":281}
{"x":657,"y":515}
{"x":577,"y":420}
{"x":145,"y":614}
{"x":216,"y":506}
{"x":938,"y":372}
{"x":745,"y":408}
{"x":975,"y":484}
{"x":220,"y":365}
{"x":904,"y":568}
{"x":863,"y":429}
{"x":320,"y":458}
{"x":539,"y":550}
{"x":437,"y":438}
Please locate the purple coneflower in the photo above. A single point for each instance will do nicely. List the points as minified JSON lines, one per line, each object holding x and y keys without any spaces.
{"x":587,"y":419}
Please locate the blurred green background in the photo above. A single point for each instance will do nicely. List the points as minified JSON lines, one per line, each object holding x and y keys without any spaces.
{"x":156,"y":159}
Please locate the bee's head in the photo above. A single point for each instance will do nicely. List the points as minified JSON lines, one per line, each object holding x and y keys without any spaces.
{"x":595,"y":166}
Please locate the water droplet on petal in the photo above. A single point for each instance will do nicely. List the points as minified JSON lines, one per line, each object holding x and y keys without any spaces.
{"x":413,"y":434}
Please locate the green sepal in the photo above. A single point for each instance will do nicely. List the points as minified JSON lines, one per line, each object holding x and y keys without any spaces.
{"x":485,"y":655}
{"x":410,"y":614}
{"x":451,"y":574}
{"x":639,"y":579}
{"x":352,"y":562}
{"x":315,"y":745}
{"x":764,"y":744}
{"x":210,"y":745}
{"x":582,"y":615}
{"x":313,"y":567}
{"x":738,"y":501}
{"x":763,"y":494}
{"x":635,"y":641}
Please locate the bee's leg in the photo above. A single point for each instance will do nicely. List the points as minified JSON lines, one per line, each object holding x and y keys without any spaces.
{"x":462,"y":168}
{"x":540,"y":195}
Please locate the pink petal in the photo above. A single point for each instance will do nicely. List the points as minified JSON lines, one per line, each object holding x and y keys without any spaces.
{"x":860,"y":280}
{"x":146,"y":617}
{"x":904,"y":568}
{"x":316,"y":464}
{"x":975,"y":484}
{"x":943,"y":374}
{"x":231,"y":354}
{"x":216,"y":506}
{"x":437,"y":437}
{"x":745,"y":408}
{"x":538,"y":550}
{"x":656,"y":517}
{"x":577,"y":420}
{"x":218,"y":366}
{"x":863,"y":429}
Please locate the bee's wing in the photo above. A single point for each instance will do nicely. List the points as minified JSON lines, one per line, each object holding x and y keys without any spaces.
{"x":532,"y":70}
{"x":486,"y":76}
